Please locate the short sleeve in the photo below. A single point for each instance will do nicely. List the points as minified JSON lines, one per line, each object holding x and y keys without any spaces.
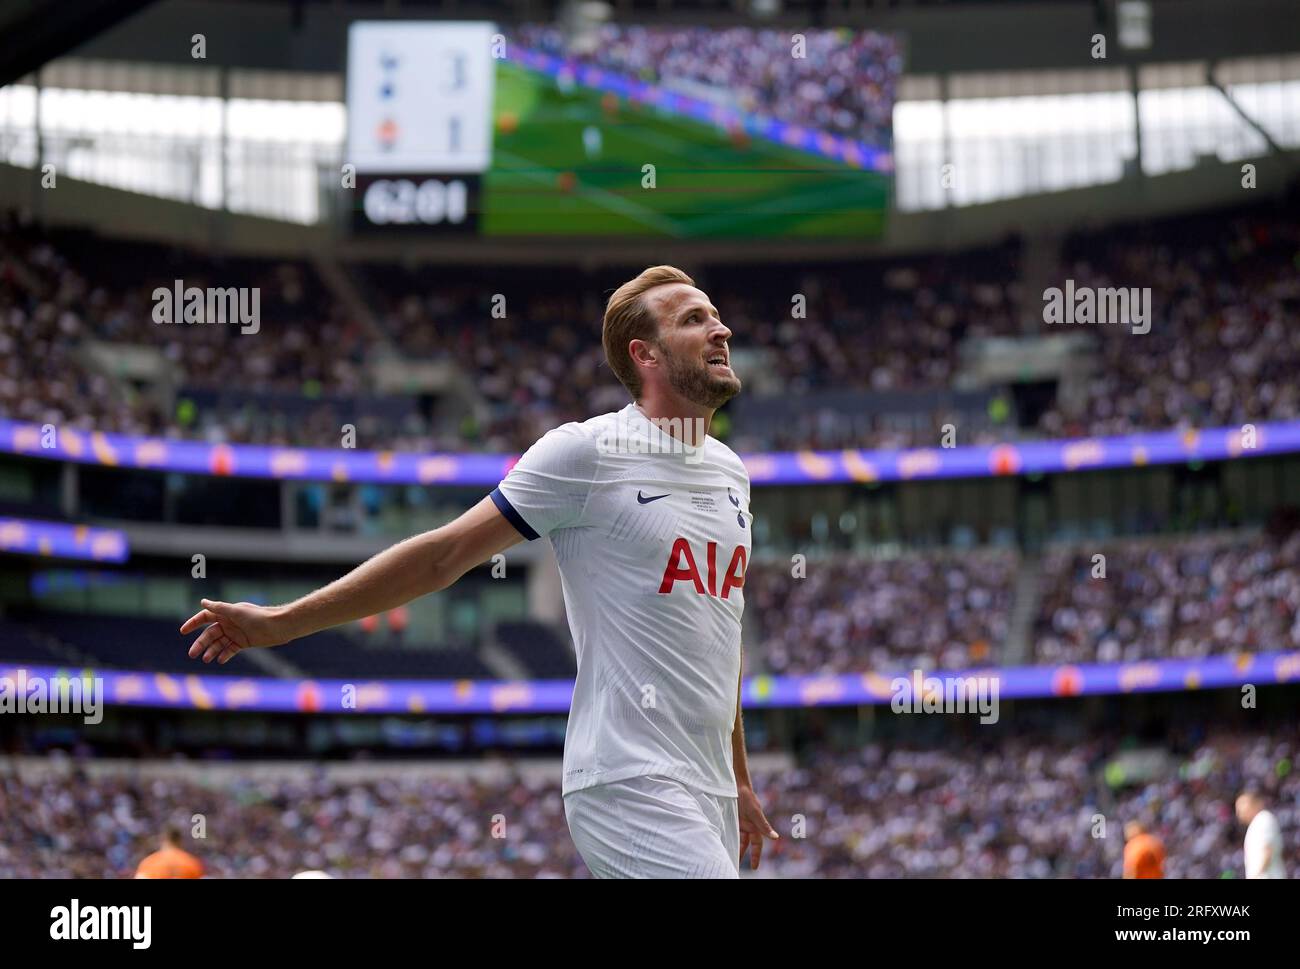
{"x":547,"y":488}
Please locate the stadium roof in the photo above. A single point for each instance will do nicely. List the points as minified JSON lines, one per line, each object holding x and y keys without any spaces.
{"x":34,"y":32}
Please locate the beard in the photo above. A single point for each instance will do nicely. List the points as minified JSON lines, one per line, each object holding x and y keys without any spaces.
{"x":693,"y":380}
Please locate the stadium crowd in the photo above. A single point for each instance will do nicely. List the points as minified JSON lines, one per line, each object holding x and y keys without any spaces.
{"x":1160,"y":598}
{"x":1025,"y":809}
{"x":1221,"y":350}
{"x":72,"y":311}
{"x":1009,"y":807}
{"x":1183,"y":599}
{"x":78,"y":346}
{"x":1164,"y":598}
{"x":927,"y":612}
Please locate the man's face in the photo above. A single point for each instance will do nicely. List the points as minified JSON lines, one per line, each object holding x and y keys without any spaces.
{"x":693,"y":341}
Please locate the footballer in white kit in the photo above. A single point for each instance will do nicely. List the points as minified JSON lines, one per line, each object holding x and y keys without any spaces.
{"x":649,"y":518}
{"x":652,"y":542}
{"x":1263,"y":849}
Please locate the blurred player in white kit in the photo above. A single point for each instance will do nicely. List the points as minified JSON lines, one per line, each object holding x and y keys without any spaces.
{"x":1263,"y":838}
{"x":592,"y":142}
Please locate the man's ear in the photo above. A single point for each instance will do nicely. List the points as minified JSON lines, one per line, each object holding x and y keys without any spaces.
{"x":642,"y":351}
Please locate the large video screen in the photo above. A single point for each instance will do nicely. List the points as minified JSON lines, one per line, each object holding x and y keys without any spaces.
{"x":679,"y":132}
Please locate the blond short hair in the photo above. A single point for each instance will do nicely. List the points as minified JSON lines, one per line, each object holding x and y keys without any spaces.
{"x":628,"y":318}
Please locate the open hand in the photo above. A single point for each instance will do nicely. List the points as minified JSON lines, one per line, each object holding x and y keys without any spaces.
{"x":235,"y":626}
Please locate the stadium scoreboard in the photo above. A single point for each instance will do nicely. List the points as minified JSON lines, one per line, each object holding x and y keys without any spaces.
{"x":471,"y":128}
{"x":419,"y":97}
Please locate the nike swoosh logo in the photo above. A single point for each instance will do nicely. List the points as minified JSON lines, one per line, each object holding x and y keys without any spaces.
{"x":645,"y":501}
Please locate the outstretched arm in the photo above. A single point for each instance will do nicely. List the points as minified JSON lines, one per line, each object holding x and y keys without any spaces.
{"x":420,"y":565}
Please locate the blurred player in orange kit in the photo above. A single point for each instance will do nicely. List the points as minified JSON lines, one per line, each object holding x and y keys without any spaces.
{"x":171,"y":860}
{"x":1144,"y":853}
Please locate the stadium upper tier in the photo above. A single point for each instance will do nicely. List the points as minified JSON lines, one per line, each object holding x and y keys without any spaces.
{"x":876,"y":355}
{"x":1138,"y":614}
{"x":1185,"y":599}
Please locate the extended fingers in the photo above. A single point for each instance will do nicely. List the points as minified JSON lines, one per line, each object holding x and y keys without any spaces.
{"x":200,"y":618}
{"x":754,"y":827}
{"x":222,"y":648}
{"x":761,"y":825}
{"x":210,"y":636}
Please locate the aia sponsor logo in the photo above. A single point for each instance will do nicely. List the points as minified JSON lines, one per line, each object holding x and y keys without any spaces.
{"x":682,"y":567}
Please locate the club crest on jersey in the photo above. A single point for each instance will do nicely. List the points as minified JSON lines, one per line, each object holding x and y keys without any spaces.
{"x":681,"y":567}
{"x":740,"y":515}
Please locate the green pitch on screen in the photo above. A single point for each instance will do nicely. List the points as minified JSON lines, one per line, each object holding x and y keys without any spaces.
{"x":545,"y":179}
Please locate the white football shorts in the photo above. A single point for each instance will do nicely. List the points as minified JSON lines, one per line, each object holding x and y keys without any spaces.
{"x":653,"y":827}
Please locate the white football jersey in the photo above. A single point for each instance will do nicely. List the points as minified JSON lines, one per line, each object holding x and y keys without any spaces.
{"x":1264,"y":833}
{"x":652,"y":541}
